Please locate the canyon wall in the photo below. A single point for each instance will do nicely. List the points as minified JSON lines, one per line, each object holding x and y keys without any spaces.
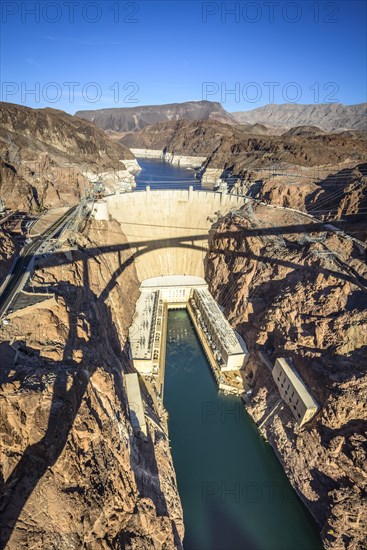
{"x":49,"y":157}
{"x":7,"y":250}
{"x":73,"y":474}
{"x":185,"y":161}
{"x":283,"y":168}
{"x":286,"y":289}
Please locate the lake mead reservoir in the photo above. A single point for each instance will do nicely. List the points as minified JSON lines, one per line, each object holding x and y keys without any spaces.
{"x":163,"y":175}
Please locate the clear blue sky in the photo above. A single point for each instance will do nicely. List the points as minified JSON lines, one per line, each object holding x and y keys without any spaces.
{"x":147,"y":52}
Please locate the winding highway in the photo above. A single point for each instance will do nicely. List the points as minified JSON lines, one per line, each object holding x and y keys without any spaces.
{"x":20,"y":267}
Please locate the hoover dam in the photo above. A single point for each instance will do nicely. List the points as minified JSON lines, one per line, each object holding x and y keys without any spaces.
{"x":166,"y":299}
{"x":168,"y":230}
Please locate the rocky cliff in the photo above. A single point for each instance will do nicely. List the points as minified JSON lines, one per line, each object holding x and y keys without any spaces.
{"x":327,"y":116}
{"x":298,"y":169}
{"x":130,"y":119}
{"x":73,"y":473}
{"x":300,"y":292}
{"x":241,"y":149}
{"x":342,"y":196}
{"x":185,"y":137}
{"x":45,"y":155}
{"x":7,"y":250}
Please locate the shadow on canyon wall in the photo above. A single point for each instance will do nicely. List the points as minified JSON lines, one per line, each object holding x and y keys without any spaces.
{"x":326,"y":199}
{"x":66,"y":401}
{"x":71,"y":379}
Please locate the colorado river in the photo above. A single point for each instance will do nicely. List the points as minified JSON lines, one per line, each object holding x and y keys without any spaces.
{"x":234,"y":493}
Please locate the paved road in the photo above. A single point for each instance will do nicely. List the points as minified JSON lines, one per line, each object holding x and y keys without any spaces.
{"x":24,"y":260}
{"x":6,"y":217}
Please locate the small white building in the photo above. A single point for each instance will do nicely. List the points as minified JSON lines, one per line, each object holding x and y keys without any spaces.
{"x":137,"y":416}
{"x":294,"y":392}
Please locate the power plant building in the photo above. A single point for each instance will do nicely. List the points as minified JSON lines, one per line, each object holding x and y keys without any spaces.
{"x":226,"y":350}
{"x":145,"y":334}
{"x":230,"y":349}
{"x":294,"y":392}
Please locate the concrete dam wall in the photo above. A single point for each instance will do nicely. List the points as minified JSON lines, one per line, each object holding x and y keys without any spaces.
{"x":168,"y":230}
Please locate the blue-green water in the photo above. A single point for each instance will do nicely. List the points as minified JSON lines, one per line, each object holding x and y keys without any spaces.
{"x":162,"y":175}
{"x":234,"y":493}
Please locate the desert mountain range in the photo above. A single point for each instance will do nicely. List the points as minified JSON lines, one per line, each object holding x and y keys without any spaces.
{"x":326,"y":116}
{"x":129,"y":119}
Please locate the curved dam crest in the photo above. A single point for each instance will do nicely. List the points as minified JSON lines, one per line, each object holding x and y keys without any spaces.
{"x":168,"y":230}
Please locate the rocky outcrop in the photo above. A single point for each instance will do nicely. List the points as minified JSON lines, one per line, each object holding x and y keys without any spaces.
{"x":300,"y":292}
{"x":303,"y":131}
{"x":327,"y":116}
{"x":73,"y":473}
{"x":148,"y":153}
{"x":48,"y":157}
{"x":130,"y":119}
{"x":185,"y":161}
{"x":183,"y":137}
{"x":132,"y":166}
{"x":7,"y":250}
{"x":342,"y":196}
{"x":245,"y":153}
